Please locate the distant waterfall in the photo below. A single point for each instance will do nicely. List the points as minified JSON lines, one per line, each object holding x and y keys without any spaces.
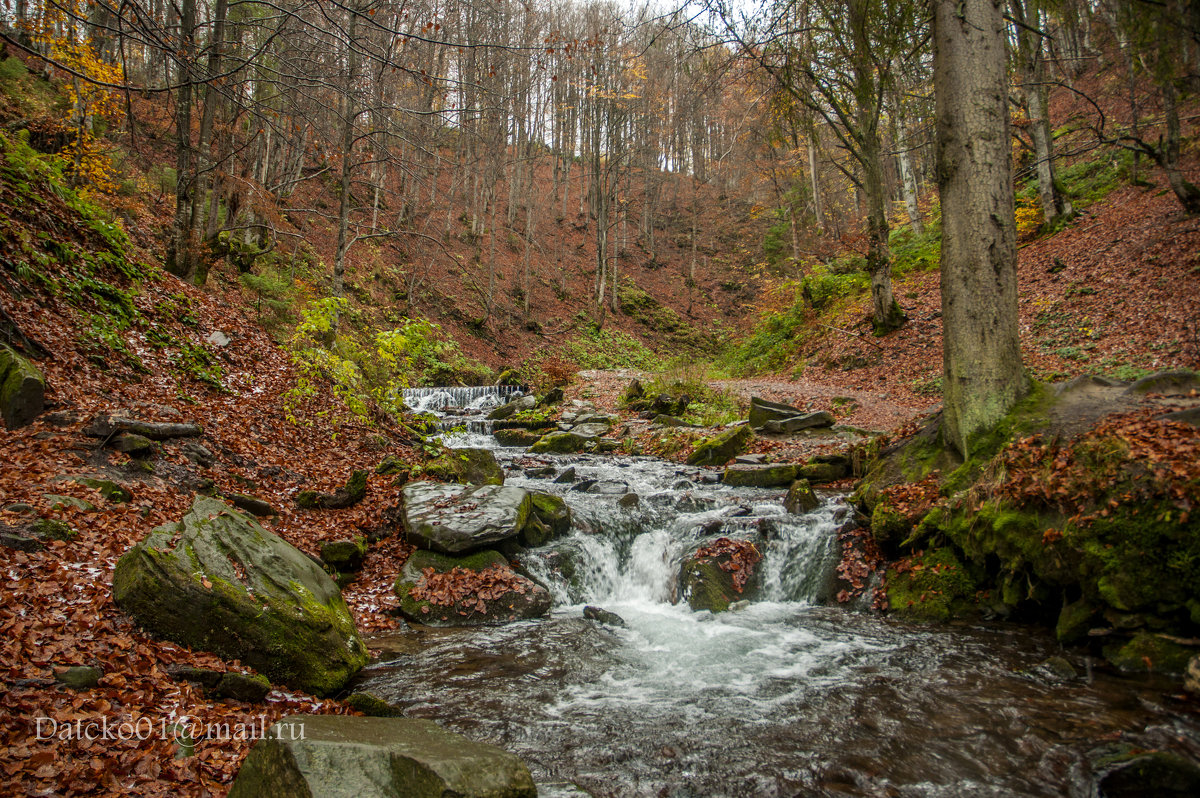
{"x":461,"y":406}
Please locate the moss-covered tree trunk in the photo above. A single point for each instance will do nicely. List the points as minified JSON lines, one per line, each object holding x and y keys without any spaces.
{"x":983,"y":377}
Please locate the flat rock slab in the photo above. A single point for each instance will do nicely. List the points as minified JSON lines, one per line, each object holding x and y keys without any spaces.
{"x":760,"y":476}
{"x":338,"y":756}
{"x":454,"y":519}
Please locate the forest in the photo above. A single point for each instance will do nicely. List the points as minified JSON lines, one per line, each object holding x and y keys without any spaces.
{"x":575,"y":398}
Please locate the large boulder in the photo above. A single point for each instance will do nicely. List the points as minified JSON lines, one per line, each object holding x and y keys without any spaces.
{"x":513,"y":407}
{"x":470,"y":466}
{"x":549,"y":518}
{"x":459,"y":518}
{"x":760,"y":476}
{"x":516,"y":437}
{"x":720,"y":449}
{"x":561,"y":443}
{"x":790,"y":426}
{"x":219,"y":582}
{"x":22,"y":389}
{"x":762,"y":411}
{"x":339,"y":756}
{"x":719,"y":574}
{"x":480,"y":588}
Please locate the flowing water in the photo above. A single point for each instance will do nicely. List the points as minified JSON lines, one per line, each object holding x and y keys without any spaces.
{"x":785,"y":697}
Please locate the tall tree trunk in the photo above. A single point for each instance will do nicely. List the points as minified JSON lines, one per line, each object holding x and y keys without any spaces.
{"x":982,"y":373}
{"x":818,"y":214}
{"x":349,"y":115}
{"x":1186,"y":192}
{"x":181,"y":254}
{"x":204,"y":160}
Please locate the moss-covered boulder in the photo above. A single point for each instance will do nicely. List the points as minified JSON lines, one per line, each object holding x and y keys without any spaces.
{"x":516,"y":437}
{"x":760,"y":476}
{"x":469,"y":466}
{"x":1147,"y":651}
{"x":22,"y":389}
{"x":763,"y":410}
{"x":561,"y":443}
{"x":549,"y":518}
{"x":818,"y":471}
{"x":219,"y":582}
{"x":930,"y":586}
{"x":719,"y":574}
{"x":800,"y":498}
{"x":477,"y":589}
{"x":110,"y":490}
{"x":720,"y":449}
{"x":512,"y":408}
{"x":339,"y":756}
{"x":345,"y":555}
{"x":455,"y":519}
{"x":354,"y":491}
{"x":1126,"y":771}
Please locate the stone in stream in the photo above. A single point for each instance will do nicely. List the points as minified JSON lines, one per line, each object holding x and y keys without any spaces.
{"x":790,"y":426}
{"x":763,"y":410}
{"x":591,"y":429}
{"x":512,"y":408}
{"x":567,"y":476}
{"x":454,"y":518}
{"x":720,"y":449}
{"x":800,"y":498}
{"x":601,"y":615}
{"x":483,"y":590}
{"x":1126,"y":771}
{"x":340,"y":756}
{"x":516,"y":437}
{"x":217,"y":581}
{"x":760,"y":476}
{"x":22,"y":389}
{"x":469,"y":466}
{"x":549,"y":518}
{"x":560,"y":443}
{"x":540,"y":472}
{"x":609,"y":488}
{"x":719,"y":574}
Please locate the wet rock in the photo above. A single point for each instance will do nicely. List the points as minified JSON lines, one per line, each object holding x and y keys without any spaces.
{"x":512,"y":408}
{"x":345,"y":555}
{"x":133,"y":445}
{"x":500,"y":594}
{"x":750,"y":459}
{"x":458,"y":518}
{"x":738,"y":606}
{"x":468,"y":466}
{"x":251,"y":504}
{"x":560,"y":443}
{"x":22,"y":389}
{"x":790,"y":426}
{"x":629,"y":501}
{"x":1128,"y":772}
{"x":763,"y":410}
{"x":372,"y":706}
{"x":566,"y":477}
{"x":600,"y":615}
{"x":1149,"y":652}
{"x":1074,"y":620}
{"x":516,"y":437}
{"x":721,"y":448}
{"x":816,"y":472}
{"x":584,"y":485}
{"x":242,"y":687}
{"x":759,"y":476}
{"x":340,"y":756}
{"x":541,"y":472}
{"x":1057,"y":669}
{"x":609,"y":488}
{"x":219,"y":582}
{"x":80,"y":677}
{"x":706,"y":579}
{"x":1191,"y":676}
{"x":800,"y":498}
{"x":347,"y":496}
{"x":553,"y":517}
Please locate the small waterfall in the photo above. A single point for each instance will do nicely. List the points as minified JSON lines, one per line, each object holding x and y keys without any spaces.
{"x":461,"y":406}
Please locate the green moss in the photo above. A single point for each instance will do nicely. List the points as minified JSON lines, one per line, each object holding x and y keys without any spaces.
{"x":720,"y":449}
{"x":49,"y":528}
{"x":1149,"y":652}
{"x":559,"y":443}
{"x":934,"y":587}
{"x":888,"y":525}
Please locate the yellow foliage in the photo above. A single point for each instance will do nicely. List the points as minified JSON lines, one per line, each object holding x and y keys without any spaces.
{"x":1029,"y":217}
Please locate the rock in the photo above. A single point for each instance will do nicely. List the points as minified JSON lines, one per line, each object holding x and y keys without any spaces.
{"x":110,"y":490}
{"x":508,"y":378}
{"x":592,"y":429}
{"x":567,"y":476}
{"x":1074,"y":620}
{"x":12,"y":539}
{"x":512,"y":408}
{"x":458,"y":518}
{"x":372,"y":706}
{"x":790,"y":426}
{"x":339,"y":756}
{"x":552,"y":397}
{"x":609,"y":488}
{"x":52,"y":529}
{"x":1149,"y":652}
{"x":629,"y":501}
{"x":469,"y":466}
{"x":800,"y":498}
{"x":516,"y":437}
{"x":80,"y":677}
{"x":760,"y":476}
{"x":501,"y":594}
{"x":559,"y":443}
{"x":1189,"y":416}
{"x":347,"y":496}
{"x":607,"y":445}
{"x":22,"y":389}
{"x":822,"y":472}
{"x":750,"y":459}
{"x":1128,"y":772}
{"x":762,"y":411}
{"x":219,"y":582}
{"x":1191,"y":676}
{"x":633,"y":392}
{"x":584,"y":485}
{"x":218,"y":339}
{"x":201,"y":676}
{"x":23,"y":507}
{"x":553,"y":517}
{"x":391,"y":466}
{"x":667,"y":405}
{"x":242,"y":687}
{"x":345,"y":555}
{"x":251,"y":504}
{"x":198,"y":454}
{"x":705,"y":585}
{"x":1058,"y":669}
{"x":670,"y":421}
{"x":600,"y":615}
{"x":58,"y":502}
{"x":719,"y":449}
{"x":541,"y":472}
{"x":106,"y":426}
{"x":1170,"y":383}
{"x":138,"y":446}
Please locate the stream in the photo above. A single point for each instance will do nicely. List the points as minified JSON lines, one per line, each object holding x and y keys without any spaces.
{"x":785,"y":697}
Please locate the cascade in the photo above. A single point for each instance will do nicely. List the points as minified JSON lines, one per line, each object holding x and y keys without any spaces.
{"x":461,"y":406}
